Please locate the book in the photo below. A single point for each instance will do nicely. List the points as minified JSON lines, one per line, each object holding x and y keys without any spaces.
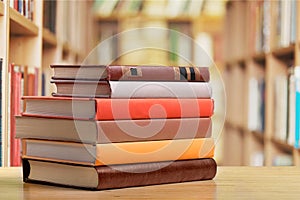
{"x":297,"y":106}
{"x":108,"y":109}
{"x":131,"y":73}
{"x":291,"y":107}
{"x":120,"y":176}
{"x":1,"y":149}
{"x":281,"y":107}
{"x":118,"y":153}
{"x":15,"y":109}
{"x":90,"y":131}
{"x":131,"y":89}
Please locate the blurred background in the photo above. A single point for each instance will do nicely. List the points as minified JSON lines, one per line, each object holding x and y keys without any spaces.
{"x":254,"y":45}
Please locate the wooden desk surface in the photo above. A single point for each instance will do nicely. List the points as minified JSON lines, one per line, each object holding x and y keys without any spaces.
{"x":230,"y":183}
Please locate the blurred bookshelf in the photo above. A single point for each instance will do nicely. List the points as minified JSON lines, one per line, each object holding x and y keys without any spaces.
{"x":262,"y":48}
{"x":33,"y":36}
{"x":173,"y":32}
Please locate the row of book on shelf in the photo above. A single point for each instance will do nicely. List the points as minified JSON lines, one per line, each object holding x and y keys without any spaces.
{"x":120,"y":126}
{"x":286,"y":106}
{"x":161,"y":8}
{"x":24,"y":7}
{"x":285,"y":14}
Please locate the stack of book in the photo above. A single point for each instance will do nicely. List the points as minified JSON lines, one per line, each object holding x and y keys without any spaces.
{"x":119,"y":126}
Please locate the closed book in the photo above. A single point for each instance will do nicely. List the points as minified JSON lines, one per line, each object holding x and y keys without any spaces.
{"x":108,"y":109}
{"x":131,"y":73}
{"x":132,"y":89}
{"x":120,"y":176}
{"x":91,"y":131}
{"x":118,"y":153}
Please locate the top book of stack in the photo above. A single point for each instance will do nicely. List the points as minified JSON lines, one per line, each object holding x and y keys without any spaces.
{"x":130,"y":73}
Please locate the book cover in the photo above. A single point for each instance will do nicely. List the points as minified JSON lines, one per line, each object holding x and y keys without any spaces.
{"x":107,"y":131}
{"x":15,"y":102}
{"x":118,"y":153}
{"x":108,"y":177}
{"x":108,"y":109}
{"x":131,"y":73}
{"x":132,"y":89}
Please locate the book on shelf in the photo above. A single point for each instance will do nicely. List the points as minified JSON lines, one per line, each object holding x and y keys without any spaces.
{"x":108,"y":109}
{"x":286,"y":14}
{"x":49,"y":16}
{"x":15,"y":109}
{"x":90,"y":131}
{"x":132,"y":89}
{"x":22,"y":83}
{"x":180,"y":43}
{"x":291,"y":107}
{"x":131,"y":73}
{"x":118,"y":153}
{"x":281,"y":107}
{"x":1,"y":147}
{"x":256,"y":106}
{"x":297,"y":106}
{"x":108,"y":177}
{"x":24,"y":7}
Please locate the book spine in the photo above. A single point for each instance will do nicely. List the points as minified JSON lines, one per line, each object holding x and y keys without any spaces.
{"x":16,"y":78}
{"x":297,"y":104}
{"x":152,"y":89}
{"x":158,"y":73}
{"x":124,"y":152}
{"x":291,"y":109}
{"x":108,"y":109}
{"x":154,"y":129}
{"x":126,"y":175}
{"x":156,"y":173}
{"x":154,"y":151}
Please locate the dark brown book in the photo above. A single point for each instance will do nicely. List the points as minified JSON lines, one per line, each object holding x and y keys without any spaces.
{"x":118,"y":176}
{"x":131,"y":73}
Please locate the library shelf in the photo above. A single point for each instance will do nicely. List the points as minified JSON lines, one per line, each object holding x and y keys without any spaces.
{"x":285,"y":52}
{"x":20,"y":25}
{"x":28,"y":43}
{"x":282,"y":145}
{"x":49,"y":39}
{"x":1,"y":8}
{"x":258,"y":28}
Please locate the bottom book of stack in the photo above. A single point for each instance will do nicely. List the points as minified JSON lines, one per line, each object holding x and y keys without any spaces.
{"x":117,"y":176}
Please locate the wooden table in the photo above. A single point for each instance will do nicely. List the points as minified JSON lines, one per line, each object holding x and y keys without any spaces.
{"x":230,"y":183}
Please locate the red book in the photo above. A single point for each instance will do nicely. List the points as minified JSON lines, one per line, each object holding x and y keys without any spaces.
{"x":15,"y":109}
{"x":113,"y":109}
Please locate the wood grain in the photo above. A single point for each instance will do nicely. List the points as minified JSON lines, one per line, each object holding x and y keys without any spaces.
{"x":230,"y":183}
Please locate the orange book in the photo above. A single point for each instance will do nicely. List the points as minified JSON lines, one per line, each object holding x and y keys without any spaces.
{"x":114,"y":109}
{"x":118,"y":153}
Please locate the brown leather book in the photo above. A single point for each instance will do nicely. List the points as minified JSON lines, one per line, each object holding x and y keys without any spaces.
{"x":118,"y":176}
{"x":131,"y":73}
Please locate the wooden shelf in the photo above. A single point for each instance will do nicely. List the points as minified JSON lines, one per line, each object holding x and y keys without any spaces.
{"x":258,"y":135}
{"x":49,"y":39}
{"x":282,"y":145}
{"x":259,"y":58}
{"x":1,"y":8}
{"x":236,"y":61}
{"x":234,"y":126}
{"x":286,"y":52}
{"x":20,"y":25}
